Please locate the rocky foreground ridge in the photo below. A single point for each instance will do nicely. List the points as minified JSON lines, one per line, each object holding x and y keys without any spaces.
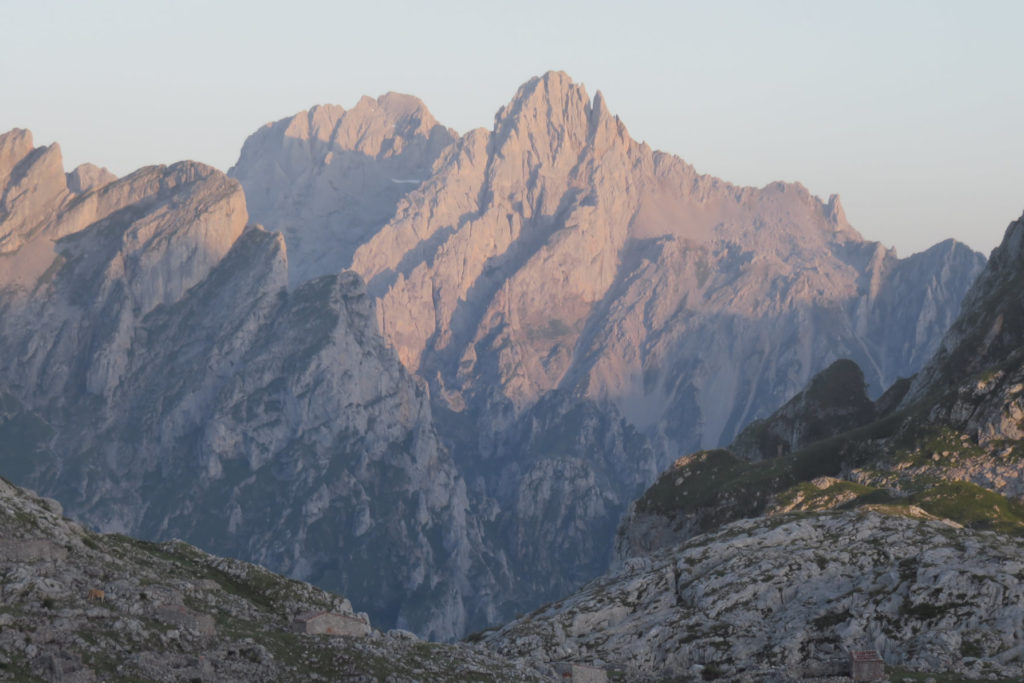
{"x":789,"y":596}
{"x":81,"y":606}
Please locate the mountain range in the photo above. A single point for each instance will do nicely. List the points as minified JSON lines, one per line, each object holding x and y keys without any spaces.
{"x":426,"y":369}
{"x":834,"y":525}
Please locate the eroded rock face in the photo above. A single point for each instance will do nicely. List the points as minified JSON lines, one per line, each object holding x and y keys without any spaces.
{"x":329,"y":178}
{"x":991,"y":327}
{"x":556,"y":252}
{"x":550,"y":489}
{"x":169,"y":384}
{"x":835,"y":401}
{"x":785,"y":598}
{"x":83,"y":279}
{"x":32,"y":187}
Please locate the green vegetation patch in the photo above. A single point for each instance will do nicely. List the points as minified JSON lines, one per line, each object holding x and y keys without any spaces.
{"x":973,"y":506}
{"x":807,"y":496}
{"x":736,"y":488}
{"x":694,"y":483}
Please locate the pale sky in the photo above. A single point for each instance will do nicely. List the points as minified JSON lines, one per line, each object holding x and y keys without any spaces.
{"x":911,"y":111}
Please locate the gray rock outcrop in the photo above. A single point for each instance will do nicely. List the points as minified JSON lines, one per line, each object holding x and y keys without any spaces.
{"x":992,"y":326}
{"x":788,"y":598}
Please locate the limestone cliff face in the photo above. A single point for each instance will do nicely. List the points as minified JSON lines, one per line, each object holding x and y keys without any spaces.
{"x":328,"y":178}
{"x":161,"y":379}
{"x":82,"y":280}
{"x":292,"y":397}
{"x":992,"y":325}
{"x":557,"y":253}
{"x":33,"y":187}
{"x":553,"y":269}
{"x":549,"y":490}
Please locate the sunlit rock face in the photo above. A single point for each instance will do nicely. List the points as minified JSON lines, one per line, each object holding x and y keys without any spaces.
{"x":555,"y":252}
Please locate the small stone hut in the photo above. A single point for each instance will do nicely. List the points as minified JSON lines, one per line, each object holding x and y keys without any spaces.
{"x":580,"y":673}
{"x":330,"y":623}
{"x":180,"y":616}
{"x":866,"y":665}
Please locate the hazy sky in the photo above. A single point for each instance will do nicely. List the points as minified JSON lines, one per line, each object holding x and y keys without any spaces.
{"x":912,"y":111}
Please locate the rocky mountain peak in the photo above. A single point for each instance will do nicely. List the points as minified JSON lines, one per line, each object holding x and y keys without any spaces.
{"x":834,"y":401}
{"x":1009,"y":255}
{"x":88,"y":177}
{"x":501,"y":261}
{"x":551,"y":120}
{"x":383,"y":127}
{"x":991,"y":327}
{"x":15,"y":145}
{"x":835,"y":213}
{"x":32,"y":187}
{"x":329,"y":178}
{"x":316,"y":123}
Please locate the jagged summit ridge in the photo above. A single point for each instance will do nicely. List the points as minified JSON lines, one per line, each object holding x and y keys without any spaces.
{"x":328,"y":177}
{"x":33,"y":186}
{"x":532,"y":240}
